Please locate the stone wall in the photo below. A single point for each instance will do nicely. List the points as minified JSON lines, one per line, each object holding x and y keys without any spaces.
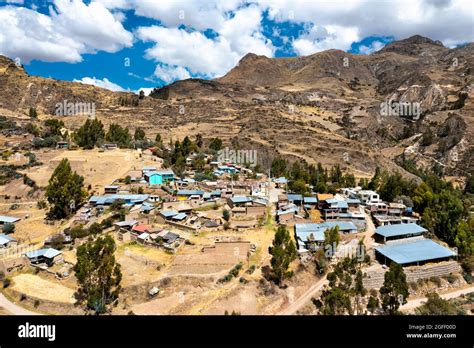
{"x":374,"y":279}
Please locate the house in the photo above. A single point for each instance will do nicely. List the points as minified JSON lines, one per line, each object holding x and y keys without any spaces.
{"x":368,"y":196}
{"x":294,"y":198}
{"x":127,"y":225}
{"x":287,"y":214}
{"x":141,"y":228}
{"x":126,"y":198}
{"x":181,"y":217}
{"x":8,"y":220}
{"x":413,"y":252}
{"x":48,"y":256}
{"x":322,"y":197}
{"x":144,"y":238}
{"x":384,"y":234}
{"x":159,"y":177}
{"x":377,"y":208}
{"x":310,"y":202}
{"x":110,"y":146}
{"x":280,"y":182}
{"x":189,"y":194}
{"x":384,"y":220}
{"x":332,"y":208}
{"x":7,"y":241}
{"x":309,"y":236}
{"x":111,"y":189}
{"x":396,"y":209}
{"x":62,"y":237}
{"x":167,"y":214}
{"x":62,"y":145}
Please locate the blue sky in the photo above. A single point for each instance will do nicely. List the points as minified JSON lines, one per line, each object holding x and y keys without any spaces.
{"x":129,"y":45}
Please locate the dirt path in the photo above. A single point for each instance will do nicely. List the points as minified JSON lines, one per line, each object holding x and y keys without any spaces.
{"x":305,"y":298}
{"x":417,"y":302}
{"x":13,"y":308}
{"x":369,"y":231}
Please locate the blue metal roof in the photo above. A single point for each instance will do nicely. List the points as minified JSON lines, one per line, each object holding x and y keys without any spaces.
{"x":241,"y":199}
{"x":280,"y":180}
{"x":190,"y":192}
{"x":109,"y":199}
{"x":294,"y":197}
{"x":49,"y":253}
{"x":310,"y":200}
{"x":4,"y":239}
{"x":414,"y":251}
{"x":180,"y":216}
{"x":343,"y":225}
{"x":8,"y":219}
{"x":399,"y":230}
{"x":159,"y":172}
{"x":169,"y":213}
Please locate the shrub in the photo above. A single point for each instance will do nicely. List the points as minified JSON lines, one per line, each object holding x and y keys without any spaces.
{"x":6,"y":283}
{"x":8,"y":228}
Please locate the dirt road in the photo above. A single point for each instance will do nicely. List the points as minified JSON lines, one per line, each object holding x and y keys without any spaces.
{"x":13,"y":308}
{"x":417,"y":302}
{"x":305,"y":298}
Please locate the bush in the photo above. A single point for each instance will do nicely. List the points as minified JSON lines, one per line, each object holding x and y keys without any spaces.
{"x":41,"y":204}
{"x":8,"y":228}
{"x":6,"y":283}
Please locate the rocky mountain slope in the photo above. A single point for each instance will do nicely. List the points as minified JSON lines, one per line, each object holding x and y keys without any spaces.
{"x":326,"y":107}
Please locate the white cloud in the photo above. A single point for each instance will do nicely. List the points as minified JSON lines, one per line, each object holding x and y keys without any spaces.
{"x":171,"y":73}
{"x":145,"y":90}
{"x":449,"y":21}
{"x":194,"y":51}
{"x":211,"y":57}
{"x":321,"y":38}
{"x":71,"y":30}
{"x":104,"y":83}
{"x":373,"y":47}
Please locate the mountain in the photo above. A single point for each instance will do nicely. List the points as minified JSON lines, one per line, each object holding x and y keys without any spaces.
{"x":326,"y":107}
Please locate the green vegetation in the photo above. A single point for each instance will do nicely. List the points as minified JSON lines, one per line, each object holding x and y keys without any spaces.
{"x":345,"y":290}
{"x":90,"y":134}
{"x":283,"y":251}
{"x":64,"y":191}
{"x":394,"y":291}
{"x":301,"y":175}
{"x":118,"y":135}
{"x":437,"y":306}
{"x":98,"y":274}
{"x":8,"y":228}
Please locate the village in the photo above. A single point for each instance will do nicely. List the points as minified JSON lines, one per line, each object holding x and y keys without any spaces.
{"x":188,"y":245}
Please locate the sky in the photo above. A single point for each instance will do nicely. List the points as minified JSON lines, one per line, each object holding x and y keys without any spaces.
{"x":131,"y":45}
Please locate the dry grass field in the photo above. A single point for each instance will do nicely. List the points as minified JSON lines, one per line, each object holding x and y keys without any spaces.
{"x":97,"y":168}
{"x":35,"y":286}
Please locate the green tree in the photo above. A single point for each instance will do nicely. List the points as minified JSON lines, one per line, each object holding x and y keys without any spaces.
{"x":118,"y":135}
{"x":394,"y":291}
{"x":336,"y":297}
{"x":331,"y":240}
{"x":64,"y":191}
{"x":226,"y":215}
{"x":33,"y":113}
{"x":90,"y":134}
{"x":283,"y":252}
{"x":139,"y":134}
{"x":278,"y":167}
{"x":98,"y":274}
{"x":215,"y":144}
